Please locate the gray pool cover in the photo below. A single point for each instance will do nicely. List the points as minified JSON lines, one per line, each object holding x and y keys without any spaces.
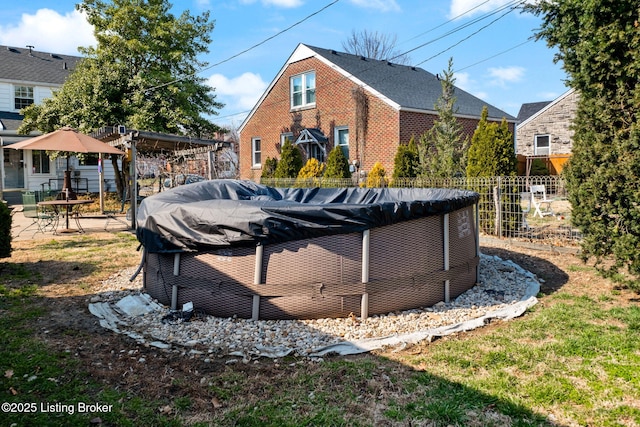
{"x":222,"y":213}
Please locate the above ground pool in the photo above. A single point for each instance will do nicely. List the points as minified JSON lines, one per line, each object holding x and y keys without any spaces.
{"x":236,"y":248}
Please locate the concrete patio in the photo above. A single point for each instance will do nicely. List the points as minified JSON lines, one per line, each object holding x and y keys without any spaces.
{"x":91,"y":223}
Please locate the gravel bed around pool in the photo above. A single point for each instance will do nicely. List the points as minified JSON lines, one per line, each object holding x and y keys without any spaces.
{"x":504,"y":291}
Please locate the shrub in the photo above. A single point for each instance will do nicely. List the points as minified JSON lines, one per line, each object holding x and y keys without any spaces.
{"x":5,"y":231}
{"x":406,"y":162}
{"x":310,"y":173}
{"x":290,"y":161}
{"x":491,"y":152}
{"x":377,"y":176}
{"x":269,"y":167}
{"x":539,"y":168}
{"x":337,"y":165}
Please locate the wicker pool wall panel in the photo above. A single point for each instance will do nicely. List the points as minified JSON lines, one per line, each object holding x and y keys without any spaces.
{"x":410,"y":265}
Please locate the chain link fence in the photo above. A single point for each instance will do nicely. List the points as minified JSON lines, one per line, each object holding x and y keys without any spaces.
{"x":534,"y":208}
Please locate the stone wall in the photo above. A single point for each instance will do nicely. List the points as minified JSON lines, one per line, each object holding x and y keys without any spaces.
{"x":554,"y":121}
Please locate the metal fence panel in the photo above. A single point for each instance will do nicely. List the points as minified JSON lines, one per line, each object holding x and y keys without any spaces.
{"x":507,"y":208}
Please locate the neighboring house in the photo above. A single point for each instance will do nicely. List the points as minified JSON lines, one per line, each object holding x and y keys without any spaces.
{"x":544,"y":132}
{"x":28,"y":77}
{"x":322,"y":98}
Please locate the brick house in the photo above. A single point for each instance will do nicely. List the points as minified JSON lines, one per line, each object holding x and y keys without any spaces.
{"x":545,"y":133}
{"x":322,"y":98}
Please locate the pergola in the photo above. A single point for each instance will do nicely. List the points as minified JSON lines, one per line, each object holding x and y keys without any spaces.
{"x":144,"y":142}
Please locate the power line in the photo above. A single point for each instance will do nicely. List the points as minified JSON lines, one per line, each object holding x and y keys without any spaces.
{"x":471,"y":35}
{"x":446,"y":22}
{"x":496,"y":55}
{"x":247,"y":49}
{"x":511,"y":6}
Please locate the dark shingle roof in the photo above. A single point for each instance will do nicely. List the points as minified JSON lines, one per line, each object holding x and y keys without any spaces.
{"x":10,"y":121}
{"x":529,"y":109}
{"x":36,"y":67}
{"x":410,"y":87}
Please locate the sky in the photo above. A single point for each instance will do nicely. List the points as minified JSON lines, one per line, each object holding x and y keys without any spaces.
{"x":494,"y":54}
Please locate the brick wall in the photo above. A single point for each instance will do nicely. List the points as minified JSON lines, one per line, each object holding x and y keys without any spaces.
{"x":335,"y":106}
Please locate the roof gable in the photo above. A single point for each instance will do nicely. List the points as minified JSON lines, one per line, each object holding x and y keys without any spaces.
{"x":529,"y":109}
{"x":25,"y":65}
{"x":545,"y":108}
{"x":403,"y":87}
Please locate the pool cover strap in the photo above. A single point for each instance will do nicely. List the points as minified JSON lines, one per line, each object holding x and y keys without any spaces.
{"x":319,"y":290}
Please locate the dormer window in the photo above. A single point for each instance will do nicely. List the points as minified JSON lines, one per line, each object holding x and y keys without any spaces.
{"x":23,"y":97}
{"x":303,"y":90}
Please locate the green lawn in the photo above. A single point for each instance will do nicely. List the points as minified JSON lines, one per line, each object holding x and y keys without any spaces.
{"x":573,"y":359}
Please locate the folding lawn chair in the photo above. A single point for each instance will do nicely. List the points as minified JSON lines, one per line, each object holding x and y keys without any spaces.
{"x":539,"y":199}
{"x":42,"y":219}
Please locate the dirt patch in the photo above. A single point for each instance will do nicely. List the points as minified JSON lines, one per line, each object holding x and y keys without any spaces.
{"x":146,"y":371}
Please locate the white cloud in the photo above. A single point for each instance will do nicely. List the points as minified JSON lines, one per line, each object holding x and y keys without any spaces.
{"x":48,"y":31}
{"x":238,"y":93}
{"x":463,"y":81}
{"x":381,"y":5}
{"x":466,"y":83}
{"x":504,"y":75}
{"x":458,"y":7}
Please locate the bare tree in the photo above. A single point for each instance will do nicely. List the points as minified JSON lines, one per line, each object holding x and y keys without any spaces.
{"x":375,"y":45}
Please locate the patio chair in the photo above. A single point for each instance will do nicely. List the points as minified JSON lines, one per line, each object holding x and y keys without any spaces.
{"x":42,"y":219}
{"x":525,"y":204}
{"x":539,"y":199}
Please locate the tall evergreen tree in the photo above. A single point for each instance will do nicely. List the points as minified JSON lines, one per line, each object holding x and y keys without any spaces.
{"x":597,"y":42}
{"x":442,"y":148}
{"x":491,"y":152}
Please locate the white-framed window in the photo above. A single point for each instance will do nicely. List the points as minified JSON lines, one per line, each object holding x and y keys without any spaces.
{"x":23,"y":96}
{"x":284,"y":136}
{"x":342,"y":139}
{"x":40,"y":161}
{"x":541,"y":145}
{"x":256,"y":152}
{"x":303,"y":90}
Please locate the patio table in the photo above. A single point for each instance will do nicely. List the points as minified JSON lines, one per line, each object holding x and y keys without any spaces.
{"x":71,"y":207}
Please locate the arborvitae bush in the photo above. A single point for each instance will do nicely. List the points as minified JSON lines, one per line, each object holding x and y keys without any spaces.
{"x":337,"y":165}
{"x":491,"y":152}
{"x":5,"y":231}
{"x":406,"y":163}
{"x":290,"y":161}
{"x":269,"y":167}
{"x":377,"y":177}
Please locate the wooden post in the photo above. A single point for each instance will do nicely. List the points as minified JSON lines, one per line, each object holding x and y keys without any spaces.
{"x":498,"y":206}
